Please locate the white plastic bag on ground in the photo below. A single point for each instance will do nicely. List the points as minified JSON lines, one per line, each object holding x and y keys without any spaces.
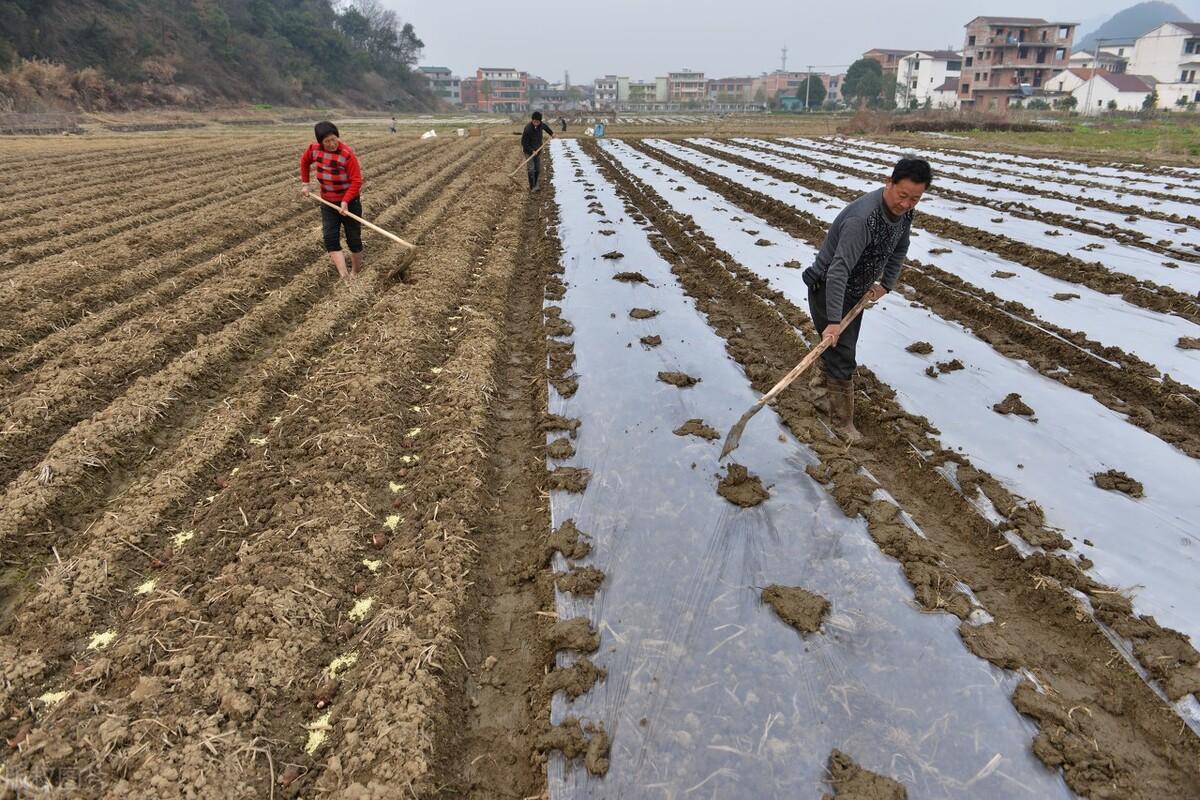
{"x":429,"y":135}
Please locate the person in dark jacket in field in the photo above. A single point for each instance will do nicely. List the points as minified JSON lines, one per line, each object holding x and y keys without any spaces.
{"x":340,"y":179}
{"x":531,"y":140}
{"x":863,"y":253}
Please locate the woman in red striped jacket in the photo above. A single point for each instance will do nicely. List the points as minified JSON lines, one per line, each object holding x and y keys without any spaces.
{"x":340,"y":178}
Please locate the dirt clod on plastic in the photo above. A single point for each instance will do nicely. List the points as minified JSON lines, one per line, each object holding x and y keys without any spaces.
{"x":574,"y":634}
{"x":568,"y":479}
{"x":631,"y":277}
{"x":568,"y":540}
{"x":696,"y":427}
{"x":575,"y":680}
{"x":560,"y":448}
{"x":852,"y":782}
{"x":1116,"y":481}
{"x":680,"y":379}
{"x":651,"y":341}
{"x":580,"y":581}
{"x":1013,"y":404}
{"x":741,"y":488}
{"x":798,"y":607}
{"x":643,"y":313}
{"x":921,"y":348}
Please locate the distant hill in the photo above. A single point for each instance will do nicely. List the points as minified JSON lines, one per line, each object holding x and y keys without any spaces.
{"x":118,"y":54}
{"x":1133,"y":22}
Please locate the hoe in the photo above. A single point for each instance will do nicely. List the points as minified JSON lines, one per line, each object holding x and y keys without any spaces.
{"x":400,"y":271}
{"x":734,"y":437}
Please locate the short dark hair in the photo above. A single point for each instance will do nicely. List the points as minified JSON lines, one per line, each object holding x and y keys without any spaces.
{"x":323,"y":129}
{"x":536,"y":115}
{"x":916,"y":170}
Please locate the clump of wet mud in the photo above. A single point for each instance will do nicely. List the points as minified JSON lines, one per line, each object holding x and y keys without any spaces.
{"x":696,"y":427}
{"x":631,"y":277}
{"x":569,"y":479}
{"x":741,"y":488}
{"x":612,"y":255}
{"x":680,"y":379}
{"x":921,"y":348}
{"x":1013,"y":404}
{"x":1002,"y":274}
{"x":793,"y":264}
{"x":942,"y":367}
{"x":606,"y":232}
{"x":569,"y":739}
{"x":555,"y":422}
{"x":643,"y":313}
{"x":1066,"y":296}
{"x":940,"y":251}
{"x":651,"y":341}
{"x":575,"y":680}
{"x":568,"y":540}
{"x":1115,"y":481}
{"x":580,"y":580}
{"x":798,"y":607}
{"x":852,"y":782}
{"x":573,"y":634}
{"x":1188,"y":343}
{"x":764,"y":243}
{"x":560,"y":448}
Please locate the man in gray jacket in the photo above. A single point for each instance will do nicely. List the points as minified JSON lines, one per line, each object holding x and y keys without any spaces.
{"x":862,"y":254}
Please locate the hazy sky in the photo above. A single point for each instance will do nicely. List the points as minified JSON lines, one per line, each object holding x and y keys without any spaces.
{"x":645,"y":38}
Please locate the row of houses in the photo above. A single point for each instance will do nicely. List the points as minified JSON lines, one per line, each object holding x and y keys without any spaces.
{"x":1007,"y":61}
{"x":1004,"y":61}
{"x":689,"y":89}
{"x":508,"y":90}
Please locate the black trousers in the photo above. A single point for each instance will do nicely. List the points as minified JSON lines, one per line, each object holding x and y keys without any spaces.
{"x":839,"y":361}
{"x":332,"y":222}
{"x":534,"y":168}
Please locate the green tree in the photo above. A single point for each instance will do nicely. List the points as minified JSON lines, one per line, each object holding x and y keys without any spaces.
{"x":864,"y":81}
{"x":1112,"y":105}
{"x":1151,"y":101}
{"x":1067,"y":103}
{"x":887,"y":93}
{"x":485,"y":90}
{"x":811,"y":88}
{"x":1037,"y":104}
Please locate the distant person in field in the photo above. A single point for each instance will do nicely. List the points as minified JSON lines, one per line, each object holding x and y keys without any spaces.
{"x":531,"y":140}
{"x":862,"y":254}
{"x":562,"y":121}
{"x":341,"y":180}
{"x":392,"y":129}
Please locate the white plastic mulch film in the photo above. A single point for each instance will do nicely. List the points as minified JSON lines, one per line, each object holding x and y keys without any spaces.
{"x":708,"y":693}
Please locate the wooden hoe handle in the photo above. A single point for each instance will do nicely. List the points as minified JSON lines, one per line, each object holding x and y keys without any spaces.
{"x":357,"y":218}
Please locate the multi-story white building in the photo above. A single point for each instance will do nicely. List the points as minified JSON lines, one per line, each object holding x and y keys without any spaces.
{"x":920,"y":73}
{"x":687,"y":88}
{"x":444,"y":84}
{"x":1082,"y":59}
{"x":1171,"y":55}
{"x":1097,"y":91}
{"x":610,"y":92}
{"x":946,"y":95}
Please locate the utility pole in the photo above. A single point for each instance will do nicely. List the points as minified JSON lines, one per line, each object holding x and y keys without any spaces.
{"x":783,"y":60}
{"x":807,"y":88}
{"x":1087,"y":105}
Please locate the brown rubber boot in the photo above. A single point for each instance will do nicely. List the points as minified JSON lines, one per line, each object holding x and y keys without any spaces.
{"x":841,"y":409}
{"x":818,"y":391}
